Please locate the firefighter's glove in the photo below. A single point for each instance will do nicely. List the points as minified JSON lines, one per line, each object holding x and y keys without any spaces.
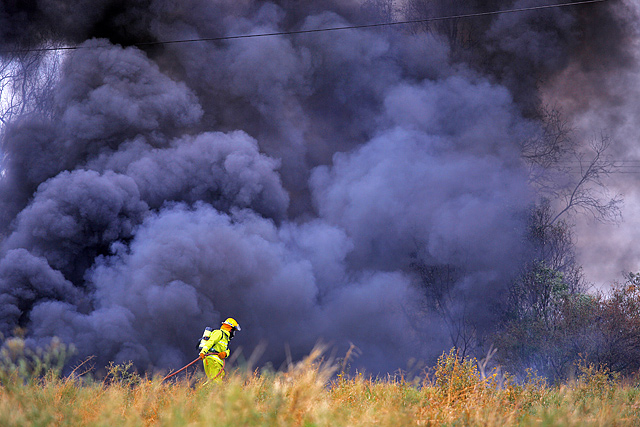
{"x":201,"y":356}
{"x":222,"y":354}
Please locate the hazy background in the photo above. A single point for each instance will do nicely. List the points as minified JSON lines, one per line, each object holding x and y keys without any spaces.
{"x":306,"y":185}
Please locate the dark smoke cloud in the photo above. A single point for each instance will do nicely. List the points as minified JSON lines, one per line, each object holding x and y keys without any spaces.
{"x":105,"y":97}
{"x":525,"y":45}
{"x":188,"y":264}
{"x":31,"y":22}
{"x":25,"y":280}
{"x":225,"y":170}
{"x":455,"y":184}
{"x":291,"y":182}
{"x":75,"y":216}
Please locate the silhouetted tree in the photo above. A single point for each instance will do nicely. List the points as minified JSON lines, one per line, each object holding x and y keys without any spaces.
{"x":27,"y":79}
{"x":548,"y":317}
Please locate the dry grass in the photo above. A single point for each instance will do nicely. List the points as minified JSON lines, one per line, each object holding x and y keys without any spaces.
{"x":311,"y":394}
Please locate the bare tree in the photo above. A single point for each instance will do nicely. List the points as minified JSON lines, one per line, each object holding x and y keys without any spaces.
{"x":27,"y":79}
{"x":548,"y":315}
{"x":379,"y":10}
{"x":588,"y":192}
{"x":570,"y":179}
{"x":552,"y":243}
{"x":460,"y":32}
{"x":452,"y":29}
{"x":546,"y":149}
{"x":572,"y":176}
{"x":438,"y":284}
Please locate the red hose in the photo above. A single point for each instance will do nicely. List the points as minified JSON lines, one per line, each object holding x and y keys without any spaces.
{"x":185,"y":367}
{"x":221,"y":370}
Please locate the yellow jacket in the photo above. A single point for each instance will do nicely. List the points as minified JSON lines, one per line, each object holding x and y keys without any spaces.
{"x":217,"y":343}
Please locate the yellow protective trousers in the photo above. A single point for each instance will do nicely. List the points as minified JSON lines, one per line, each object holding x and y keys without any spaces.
{"x":214,"y":368}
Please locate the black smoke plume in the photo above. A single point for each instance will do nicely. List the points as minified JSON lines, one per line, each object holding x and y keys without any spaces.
{"x":291,"y":182}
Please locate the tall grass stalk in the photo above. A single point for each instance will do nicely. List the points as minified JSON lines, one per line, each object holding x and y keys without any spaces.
{"x":314,"y":393}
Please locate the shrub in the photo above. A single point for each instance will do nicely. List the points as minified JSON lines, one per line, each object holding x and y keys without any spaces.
{"x":595,"y":381}
{"x":455,"y":376}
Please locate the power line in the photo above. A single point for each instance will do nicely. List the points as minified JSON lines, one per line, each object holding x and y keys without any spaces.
{"x":317,"y":30}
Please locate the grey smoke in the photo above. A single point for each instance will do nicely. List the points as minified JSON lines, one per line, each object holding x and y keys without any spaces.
{"x":75,"y":216}
{"x":290,"y":182}
{"x":105,"y":97}
{"x":26,"y":280}
{"x":225,"y":170}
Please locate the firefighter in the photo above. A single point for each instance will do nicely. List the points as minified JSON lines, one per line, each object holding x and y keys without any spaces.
{"x":217,"y":344}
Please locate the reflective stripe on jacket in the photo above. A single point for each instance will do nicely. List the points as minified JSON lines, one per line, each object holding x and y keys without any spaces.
{"x":217,"y":342}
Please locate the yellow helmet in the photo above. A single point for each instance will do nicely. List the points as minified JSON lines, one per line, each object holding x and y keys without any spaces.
{"x":232,"y":322}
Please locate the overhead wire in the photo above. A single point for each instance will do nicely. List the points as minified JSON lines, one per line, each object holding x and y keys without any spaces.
{"x":316,"y":30}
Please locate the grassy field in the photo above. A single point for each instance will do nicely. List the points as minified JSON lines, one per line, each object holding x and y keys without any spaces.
{"x":313,"y":393}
